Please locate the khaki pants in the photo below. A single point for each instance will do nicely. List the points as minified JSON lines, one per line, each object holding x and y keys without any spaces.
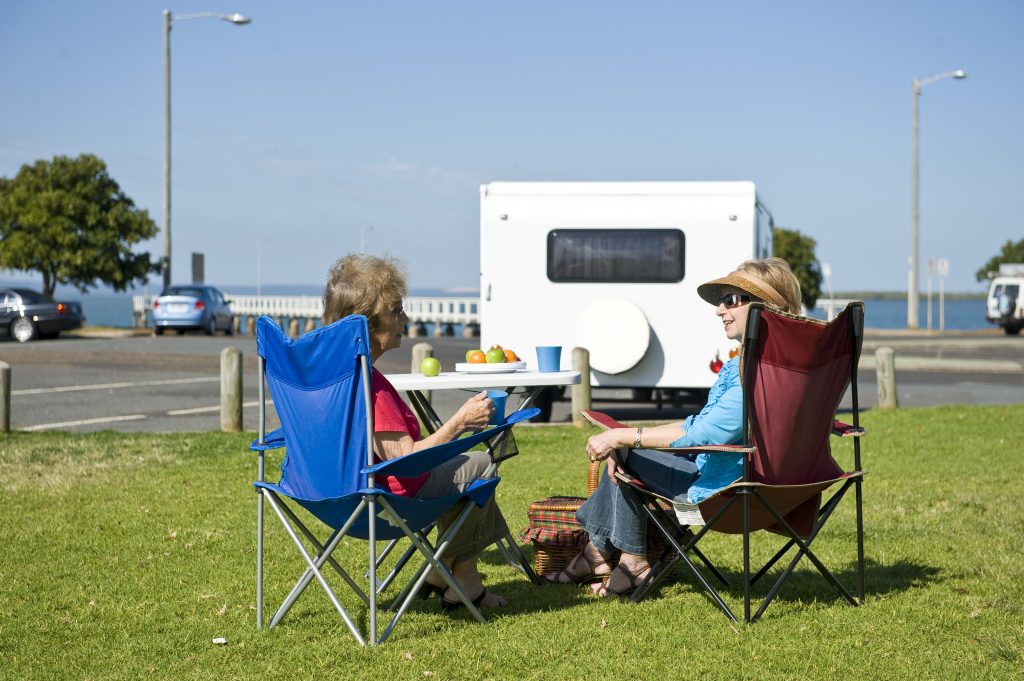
{"x":485,"y":524}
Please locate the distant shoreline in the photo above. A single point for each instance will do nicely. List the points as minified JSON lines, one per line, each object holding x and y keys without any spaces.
{"x":447,"y":292}
{"x":902,"y":295}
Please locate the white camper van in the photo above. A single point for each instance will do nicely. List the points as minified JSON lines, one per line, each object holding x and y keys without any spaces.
{"x":614,"y":267}
{"x":1006,"y":298}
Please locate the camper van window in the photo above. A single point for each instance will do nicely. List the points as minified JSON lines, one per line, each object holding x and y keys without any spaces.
{"x":620,"y":256}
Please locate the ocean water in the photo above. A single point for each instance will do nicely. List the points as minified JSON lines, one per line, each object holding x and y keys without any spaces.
{"x":960,"y":315}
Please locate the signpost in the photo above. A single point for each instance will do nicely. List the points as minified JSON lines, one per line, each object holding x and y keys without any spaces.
{"x":938,"y":268}
{"x":942,"y":269}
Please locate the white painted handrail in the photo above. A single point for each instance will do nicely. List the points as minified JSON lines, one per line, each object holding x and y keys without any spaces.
{"x":425,"y":310}
{"x":832,"y":306}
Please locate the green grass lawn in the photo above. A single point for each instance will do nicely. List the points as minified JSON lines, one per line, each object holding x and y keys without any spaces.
{"x":124,"y":555}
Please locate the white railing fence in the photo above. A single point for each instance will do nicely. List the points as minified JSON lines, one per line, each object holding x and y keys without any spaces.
{"x":439,"y":312}
{"x":832,"y":306}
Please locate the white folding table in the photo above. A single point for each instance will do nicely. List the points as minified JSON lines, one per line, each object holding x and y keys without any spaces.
{"x":527,"y":383}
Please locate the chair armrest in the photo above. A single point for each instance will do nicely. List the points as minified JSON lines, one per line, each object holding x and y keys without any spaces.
{"x":602,"y":420}
{"x":710,"y":449}
{"x":272,"y":440}
{"x":425,"y":460}
{"x":607,"y":422}
{"x":846,"y":430}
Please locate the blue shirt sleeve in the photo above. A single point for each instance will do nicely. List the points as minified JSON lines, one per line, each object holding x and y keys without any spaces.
{"x":720,"y":422}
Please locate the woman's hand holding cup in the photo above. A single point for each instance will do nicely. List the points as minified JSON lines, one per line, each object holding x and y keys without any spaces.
{"x":476,"y":412}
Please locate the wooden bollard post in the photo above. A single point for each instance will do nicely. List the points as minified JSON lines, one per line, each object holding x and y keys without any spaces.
{"x":885,"y":372}
{"x":293,"y":327}
{"x":420,"y":352}
{"x":581,"y":392}
{"x":5,"y":397}
{"x":250,"y":325}
{"x":231,"y":390}
{"x":310,"y":325}
{"x":235,"y":325}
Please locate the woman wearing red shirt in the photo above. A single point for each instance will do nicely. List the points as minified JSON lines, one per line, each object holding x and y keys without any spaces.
{"x":374,"y":287}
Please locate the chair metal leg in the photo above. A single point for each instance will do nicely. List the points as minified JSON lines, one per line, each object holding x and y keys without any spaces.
{"x":323,"y":555}
{"x":259,"y":558}
{"x":746,"y":553}
{"x":515,"y":557}
{"x":353,"y":584}
{"x":681,"y":553}
{"x":860,"y":541}
{"x":804,"y":549}
{"x":372,"y":516}
{"x":434,"y":559}
{"x":312,"y":564}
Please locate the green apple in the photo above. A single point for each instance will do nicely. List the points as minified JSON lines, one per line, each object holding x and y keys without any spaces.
{"x":470,"y":352}
{"x":430,"y":366}
{"x":495,"y":356}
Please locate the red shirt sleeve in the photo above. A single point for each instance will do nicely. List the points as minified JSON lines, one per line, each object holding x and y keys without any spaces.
{"x":392,"y":415}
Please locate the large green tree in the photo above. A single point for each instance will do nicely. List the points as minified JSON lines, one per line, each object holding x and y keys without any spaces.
{"x":798,"y":250}
{"x":69,"y":220}
{"x":1010,"y":252}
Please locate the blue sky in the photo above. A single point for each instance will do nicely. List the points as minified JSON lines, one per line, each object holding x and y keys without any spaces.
{"x":320,"y":119}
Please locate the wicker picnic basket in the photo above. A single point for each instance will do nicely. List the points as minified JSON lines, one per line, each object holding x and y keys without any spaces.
{"x":554,"y":532}
{"x":557,"y":537}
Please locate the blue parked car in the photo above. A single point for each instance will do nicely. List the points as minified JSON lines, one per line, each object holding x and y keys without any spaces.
{"x":192,"y":307}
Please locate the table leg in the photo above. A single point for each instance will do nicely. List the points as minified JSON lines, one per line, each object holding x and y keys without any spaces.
{"x":424,"y":410}
{"x":431,"y":421}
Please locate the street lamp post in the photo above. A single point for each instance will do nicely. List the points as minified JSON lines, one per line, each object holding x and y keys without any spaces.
{"x":912,"y":294}
{"x":238,"y":20}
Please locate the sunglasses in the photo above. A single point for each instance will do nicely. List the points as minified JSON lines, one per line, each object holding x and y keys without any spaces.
{"x":731,"y":300}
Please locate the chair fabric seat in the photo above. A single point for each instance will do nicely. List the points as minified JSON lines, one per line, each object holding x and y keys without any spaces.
{"x":417,"y":513}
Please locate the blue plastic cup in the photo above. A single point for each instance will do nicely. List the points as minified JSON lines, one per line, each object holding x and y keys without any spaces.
{"x":498,"y":397}
{"x":549,"y":358}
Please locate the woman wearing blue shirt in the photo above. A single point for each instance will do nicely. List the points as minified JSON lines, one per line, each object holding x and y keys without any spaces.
{"x":612,"y":519}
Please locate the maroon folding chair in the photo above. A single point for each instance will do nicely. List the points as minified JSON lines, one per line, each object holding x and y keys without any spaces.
{"x":794,"y":372}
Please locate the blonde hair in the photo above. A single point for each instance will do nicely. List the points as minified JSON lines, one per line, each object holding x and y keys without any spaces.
{"x":365,"y":285}
{"x":776,"y":273}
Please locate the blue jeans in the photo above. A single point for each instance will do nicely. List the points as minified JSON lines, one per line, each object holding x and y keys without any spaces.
{"x":615,"y":520}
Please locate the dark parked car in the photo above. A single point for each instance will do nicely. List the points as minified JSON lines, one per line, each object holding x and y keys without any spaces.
{"x":26,"y":314}
{"x":192,"y":307}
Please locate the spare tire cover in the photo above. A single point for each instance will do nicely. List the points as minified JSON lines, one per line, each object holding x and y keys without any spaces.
{"x":616,"y":333}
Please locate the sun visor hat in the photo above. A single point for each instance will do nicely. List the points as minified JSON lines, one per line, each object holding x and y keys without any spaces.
{"x":744,"y":281}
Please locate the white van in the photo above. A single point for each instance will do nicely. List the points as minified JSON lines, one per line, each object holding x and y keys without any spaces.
{"x":1005,"y":300}
{"x":614,"y":267}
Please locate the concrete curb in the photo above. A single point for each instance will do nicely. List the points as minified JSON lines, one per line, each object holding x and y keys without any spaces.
{"x":108,"y":332}
{"x":973,"y":366}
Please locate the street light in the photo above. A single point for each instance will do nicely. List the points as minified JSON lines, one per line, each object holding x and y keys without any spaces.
{"x":238,"y":20}
{"x":912,"y":302}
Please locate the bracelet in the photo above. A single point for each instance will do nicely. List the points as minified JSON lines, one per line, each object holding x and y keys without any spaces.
{"x":636,"y":442}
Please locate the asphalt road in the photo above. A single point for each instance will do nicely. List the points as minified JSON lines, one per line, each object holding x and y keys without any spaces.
{"x":171,"y":383}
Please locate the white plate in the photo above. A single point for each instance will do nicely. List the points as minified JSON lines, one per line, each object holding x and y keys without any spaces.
{"x":495,"y":368}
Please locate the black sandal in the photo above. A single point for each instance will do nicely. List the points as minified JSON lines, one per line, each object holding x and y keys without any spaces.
{"x":449,"y":606}
{"x":428,"y":590}
{"x":635,"y":580}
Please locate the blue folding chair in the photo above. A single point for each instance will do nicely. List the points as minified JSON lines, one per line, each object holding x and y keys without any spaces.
{"x":320,"y":384}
